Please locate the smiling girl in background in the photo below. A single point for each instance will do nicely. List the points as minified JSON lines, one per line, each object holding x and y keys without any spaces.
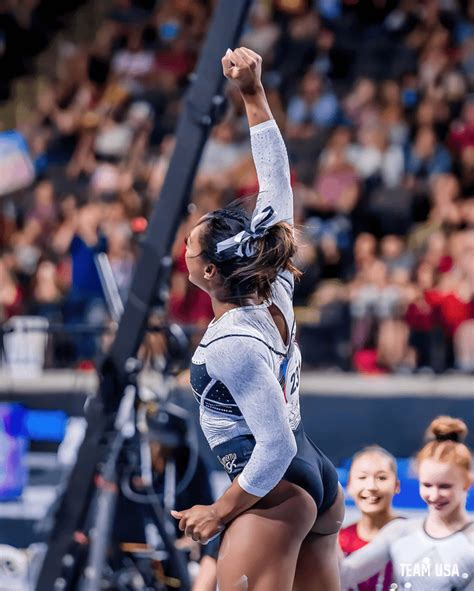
{"x":435,"y":552}
{"x":372,"y":484}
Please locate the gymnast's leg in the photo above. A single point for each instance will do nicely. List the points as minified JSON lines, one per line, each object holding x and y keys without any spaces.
{"x":259,"y":549}
{"x":317,"y":567}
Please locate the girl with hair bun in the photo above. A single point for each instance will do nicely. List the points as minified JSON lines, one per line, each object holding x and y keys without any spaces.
{"x":436,"y":552}
{"x":281,"y":514}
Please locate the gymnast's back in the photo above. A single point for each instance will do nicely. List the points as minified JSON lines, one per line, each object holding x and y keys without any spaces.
{"x":244,"y":376}
{"x":224,"y":362}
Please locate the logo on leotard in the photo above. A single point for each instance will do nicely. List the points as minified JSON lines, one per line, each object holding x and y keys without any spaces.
{"x":228,"y":462}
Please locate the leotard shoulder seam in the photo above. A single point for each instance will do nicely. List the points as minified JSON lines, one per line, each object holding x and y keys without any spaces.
{"x":204,"y":346}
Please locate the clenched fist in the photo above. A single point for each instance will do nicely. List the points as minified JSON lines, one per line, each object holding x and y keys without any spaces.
{"x":243,"y":67}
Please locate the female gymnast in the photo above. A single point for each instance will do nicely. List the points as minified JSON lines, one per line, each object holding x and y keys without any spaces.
{"x":282,"y":512}
{"x":434,"y":553}
{"x":372,"y":484}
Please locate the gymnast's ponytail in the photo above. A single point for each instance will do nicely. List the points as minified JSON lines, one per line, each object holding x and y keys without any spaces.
{"x":253,"y":266}
{"x":273,"y":254}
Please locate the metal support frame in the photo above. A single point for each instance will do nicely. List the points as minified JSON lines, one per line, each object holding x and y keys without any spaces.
{"x":200,"y":106}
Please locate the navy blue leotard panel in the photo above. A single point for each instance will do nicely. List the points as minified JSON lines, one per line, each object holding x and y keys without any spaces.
{"x":310,"y":468}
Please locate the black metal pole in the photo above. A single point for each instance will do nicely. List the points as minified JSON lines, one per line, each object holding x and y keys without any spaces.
{"x":106,"y":502}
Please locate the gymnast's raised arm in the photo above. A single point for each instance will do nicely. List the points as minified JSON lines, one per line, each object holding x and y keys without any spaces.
{"x":244,"y":67}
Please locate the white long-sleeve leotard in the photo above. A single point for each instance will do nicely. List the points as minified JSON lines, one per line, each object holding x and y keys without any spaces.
{"x":420,"y":562}
{"x":245,"y":378}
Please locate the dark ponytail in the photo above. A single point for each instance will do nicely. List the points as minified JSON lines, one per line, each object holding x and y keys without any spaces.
{"x":243,"y":276}
{"x":275,"y":249}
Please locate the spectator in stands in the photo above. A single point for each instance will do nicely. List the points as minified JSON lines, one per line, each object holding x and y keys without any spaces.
{"x":452,"y":297}
{"x":467,"y":59}
{"x":373,"y":296}
{"x":420,"y":317}
{"x":158,"y":167}
{"x":360,"y":106}
{"x":83,"y":239}
{"x":395,"y":256}
{"x":121,"y":257}
{"x":462,"y":130}
{"x":372,"y":484}
{"x":26,"y":249}
{"x":333,"y":197}
{"x":47,"y":293}
{"x":295,"y":49}
{"x":467,"y":172}
{"x":392,"y":115}
{"x":222,"y":150}
{"x":375,"y":159}
{"x":47,"y":300}
{"x":377,"y":304}
{"x":365,"y":251}
{"x":312,"y":109}
{"x":464,"y":346}
{"x":263,"y":33}
{"x":336,"y":187}
{"x":44,"y":209}
{"x":307,"y":261}
{"x":426,"y":157}
{"x":443,"y":214}
{"x":11,"y":296}
{"x":134,"y":63}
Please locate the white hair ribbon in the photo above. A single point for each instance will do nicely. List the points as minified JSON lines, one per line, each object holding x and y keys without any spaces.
{"x":259,"y":225}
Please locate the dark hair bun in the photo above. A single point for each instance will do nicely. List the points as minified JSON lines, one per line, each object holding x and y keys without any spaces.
{"x":446,"y":428}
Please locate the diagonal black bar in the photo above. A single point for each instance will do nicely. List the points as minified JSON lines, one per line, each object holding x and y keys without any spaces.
{"x":193,"y":129}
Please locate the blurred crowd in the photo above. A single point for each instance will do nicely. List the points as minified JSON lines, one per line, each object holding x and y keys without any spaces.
{"x":26,"y":28}
{"x":374,"y":101}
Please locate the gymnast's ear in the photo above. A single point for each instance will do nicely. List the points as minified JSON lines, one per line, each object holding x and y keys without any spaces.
{"x":210,"y":271}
